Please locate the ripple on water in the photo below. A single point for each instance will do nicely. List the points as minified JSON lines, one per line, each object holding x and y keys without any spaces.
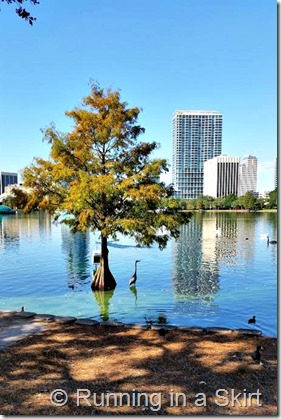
{"x":199,"y":280}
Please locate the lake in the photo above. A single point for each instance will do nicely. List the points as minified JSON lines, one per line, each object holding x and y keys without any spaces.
{"x":202,"y":279}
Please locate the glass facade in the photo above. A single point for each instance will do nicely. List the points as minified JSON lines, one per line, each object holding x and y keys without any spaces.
{"x":248,"y":175}
{"x":197,"y":137}
{"x":7,"y":179}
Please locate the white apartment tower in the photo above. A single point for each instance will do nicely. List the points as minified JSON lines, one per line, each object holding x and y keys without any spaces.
{"x":221,"y":176}
{"x":197,"y":137}
{"x":248,"y":175}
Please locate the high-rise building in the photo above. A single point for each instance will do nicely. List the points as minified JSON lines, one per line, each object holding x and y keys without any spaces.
{"x":6,"y":179}
{"x":197,"y":137}
{"x":221,"y":176}
{"x":248,"y":175}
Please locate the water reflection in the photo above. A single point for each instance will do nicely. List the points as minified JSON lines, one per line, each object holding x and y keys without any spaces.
{"x":76,"y":248}
{"x":103,"y":298}
{"x":195,"y":271}
{"x":9,"y":231}
{"x":203,"y":279}
{"x":134,"y":291}
{"x":16,"y":226}
{"x":237,"y":240}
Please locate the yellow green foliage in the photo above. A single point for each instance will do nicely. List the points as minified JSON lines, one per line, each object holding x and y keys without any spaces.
{"x":103,"y":175}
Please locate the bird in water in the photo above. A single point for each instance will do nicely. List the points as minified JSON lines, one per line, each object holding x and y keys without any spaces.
{"x":71,"y":286}
{"x":256,"y":356}
{"x":271,"y":241}
{"x":252,"y":320}
{"x":133,"y":280}
{"x":218,"y":232}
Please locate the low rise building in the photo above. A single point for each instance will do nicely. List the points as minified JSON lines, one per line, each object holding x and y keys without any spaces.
{"x":7,"y":179}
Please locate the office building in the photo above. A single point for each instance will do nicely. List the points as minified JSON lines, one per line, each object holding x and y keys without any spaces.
{"x":221,"y":176}
{"x":6,"y":179}
{"x":197,"y":137}
{"x":248,"y":175}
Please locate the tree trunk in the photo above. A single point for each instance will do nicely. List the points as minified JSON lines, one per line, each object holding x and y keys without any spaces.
{"x":103,"y":279}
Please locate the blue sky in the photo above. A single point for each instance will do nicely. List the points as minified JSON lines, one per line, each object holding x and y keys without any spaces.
{"x":164,"y":55}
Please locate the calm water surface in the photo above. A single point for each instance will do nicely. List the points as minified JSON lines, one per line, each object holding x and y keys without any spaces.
{"x":200,"y":280}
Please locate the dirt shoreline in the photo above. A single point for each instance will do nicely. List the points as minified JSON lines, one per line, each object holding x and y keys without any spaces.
{"x":149,"y":374}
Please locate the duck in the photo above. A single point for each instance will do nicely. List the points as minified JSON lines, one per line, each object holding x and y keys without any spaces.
{"x":256,"y":356}
{"x":271,"y":241}
{"x":162,"y":331}
{"x":252,"y":320}
{"x":218,"y":232}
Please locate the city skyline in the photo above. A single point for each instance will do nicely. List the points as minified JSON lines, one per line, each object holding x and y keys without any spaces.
{"x":217,"y":55}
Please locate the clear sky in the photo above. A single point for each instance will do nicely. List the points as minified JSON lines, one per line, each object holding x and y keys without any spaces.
{"x":164,"y":55}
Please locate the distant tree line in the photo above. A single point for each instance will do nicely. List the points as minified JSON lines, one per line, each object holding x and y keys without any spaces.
{"x":248,"y":202}
{"x":19,"y":200}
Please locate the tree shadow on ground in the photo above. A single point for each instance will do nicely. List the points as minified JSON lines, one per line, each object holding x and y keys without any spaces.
{"x":119,"y":360}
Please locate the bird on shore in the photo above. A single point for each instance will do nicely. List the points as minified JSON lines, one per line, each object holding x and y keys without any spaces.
{"x":162,"y":331}
{"x":252,"y":320}
{"x":22,"y":309}
{"x":256,"y":356}
{"x":271,"y":241}
{"x":133,"y":280}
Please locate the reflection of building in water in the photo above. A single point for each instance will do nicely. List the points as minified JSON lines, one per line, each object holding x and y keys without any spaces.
{"x":45,"y":224}
{"x":76,"y":248}
{"x":233,"y":240}
{"x":246,"y":241}
{"x":226,"y":240}
{"x":9,"y":230}
{"x":194,"y":275}
{"x":16,"y":226}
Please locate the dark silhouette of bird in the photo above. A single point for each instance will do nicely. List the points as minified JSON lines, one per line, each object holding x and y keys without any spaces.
{"x":71,"y":286}
{"x":133,"y":280}
{"x":256,"y":356}
{"x":271,"y":241}
{"x":22,"y":309}
{"x":162,"y":331}
{"x":252,"y":320}
{"x":247,"y":238}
